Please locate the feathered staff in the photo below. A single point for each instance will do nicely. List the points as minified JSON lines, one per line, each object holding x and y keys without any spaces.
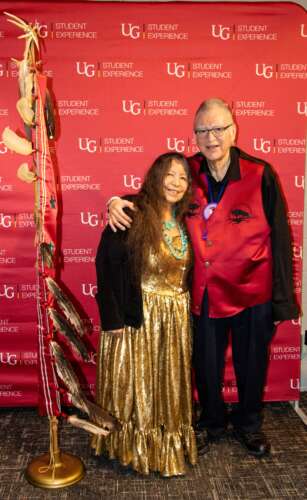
{"x":35,"y":108}
{"x":31,"y":107}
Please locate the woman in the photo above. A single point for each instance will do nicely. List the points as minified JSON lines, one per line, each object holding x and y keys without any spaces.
{"x":143,"y":374}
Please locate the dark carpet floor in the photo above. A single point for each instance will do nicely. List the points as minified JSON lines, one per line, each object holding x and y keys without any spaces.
{"x":225,"y":473}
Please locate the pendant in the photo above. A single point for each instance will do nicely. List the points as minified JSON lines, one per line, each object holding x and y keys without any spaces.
{"x":177,"y":253}
{"x":208,"y":210}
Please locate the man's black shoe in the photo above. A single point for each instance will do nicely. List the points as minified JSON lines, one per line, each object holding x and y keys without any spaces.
{"x":202,"y":442}
{"x":205,"y":438}
{"x":255,"y":442}
{"x":199,"y":428}
{"x":203,"y":445}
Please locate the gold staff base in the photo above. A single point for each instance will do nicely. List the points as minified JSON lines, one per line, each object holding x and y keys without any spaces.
{"x":55,"y":469}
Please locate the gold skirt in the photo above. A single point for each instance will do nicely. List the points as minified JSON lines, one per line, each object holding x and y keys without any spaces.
{"x":144,"y":380}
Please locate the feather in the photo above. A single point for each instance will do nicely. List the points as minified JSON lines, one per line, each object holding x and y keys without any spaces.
{"x":64,"y":369}
{"x":66,"y":331}
{"x":87,"y":426}
{"x":96,"y":414}
{"x":66,"y":305}
{"x":66,"y":373}
{"x":101,"y":417}
{"x":16,"y":143}
{"x":26,"y":175}
{"x":46,"y":250}
{"x":25,"y":111}
{"x":49,"y":116}
{"x":78,"y":400}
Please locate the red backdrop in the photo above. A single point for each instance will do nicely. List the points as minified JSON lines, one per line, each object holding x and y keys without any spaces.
{"x":127,"y":79}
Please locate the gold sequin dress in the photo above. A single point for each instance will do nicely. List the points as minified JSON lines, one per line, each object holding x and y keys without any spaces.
{"x":144,"y":376}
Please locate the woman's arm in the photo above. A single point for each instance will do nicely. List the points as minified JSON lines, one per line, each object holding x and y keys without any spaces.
{"x":110,"y":280}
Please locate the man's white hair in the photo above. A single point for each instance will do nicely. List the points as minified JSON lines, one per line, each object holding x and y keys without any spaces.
{"x":211,"y":103}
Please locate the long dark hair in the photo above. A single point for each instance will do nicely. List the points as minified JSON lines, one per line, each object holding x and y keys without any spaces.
{"x":146,"y":231}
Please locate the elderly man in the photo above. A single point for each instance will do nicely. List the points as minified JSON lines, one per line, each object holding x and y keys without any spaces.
{"x":242,"y":279}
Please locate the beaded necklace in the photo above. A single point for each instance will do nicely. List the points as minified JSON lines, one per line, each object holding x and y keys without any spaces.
{"x":167,"y":226}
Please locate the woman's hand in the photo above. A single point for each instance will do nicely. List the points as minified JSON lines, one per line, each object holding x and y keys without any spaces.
{"x":118,"y":219}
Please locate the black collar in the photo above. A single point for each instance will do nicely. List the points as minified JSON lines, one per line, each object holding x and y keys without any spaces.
{"x":233,"y":173}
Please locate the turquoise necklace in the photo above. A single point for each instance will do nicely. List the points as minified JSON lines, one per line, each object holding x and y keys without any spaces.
{"x":169,"y":225}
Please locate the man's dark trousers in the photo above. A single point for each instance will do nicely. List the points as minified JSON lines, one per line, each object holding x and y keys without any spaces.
{"x":251,"y":331}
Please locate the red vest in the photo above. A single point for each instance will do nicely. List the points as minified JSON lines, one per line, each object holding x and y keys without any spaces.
{"x":234,"y":263}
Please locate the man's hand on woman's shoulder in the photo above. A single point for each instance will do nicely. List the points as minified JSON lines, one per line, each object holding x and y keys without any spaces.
{"x":117,"y":217}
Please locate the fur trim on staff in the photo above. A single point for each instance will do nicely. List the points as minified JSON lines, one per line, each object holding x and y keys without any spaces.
{"x":29,"y":88}
{"x":66,"y":305}
{"x":25,"y":111}
{"x":16,"y":143}
{"x":26,"y":175}
{"x":66,"y":373}
{"x":65,"y":330}
{"x":25,"y":80}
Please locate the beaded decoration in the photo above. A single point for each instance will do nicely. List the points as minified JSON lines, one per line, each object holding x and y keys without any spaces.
{"x":167,"y":226}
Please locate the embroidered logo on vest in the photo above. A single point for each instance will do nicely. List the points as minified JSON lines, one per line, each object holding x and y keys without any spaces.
{"x":241,"y":214}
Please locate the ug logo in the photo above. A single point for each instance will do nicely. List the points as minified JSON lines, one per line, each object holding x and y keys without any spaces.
{"x":175,"y":69}
{"x":87,"y":144}
{"x":260,"y":144}
{"x":299,"y":181}
{"x":175,"y":144}
{"x":301,"y":108}
{"x":297,"y":251}
{"x":303,"y":33}
{"x":85,"y":69}
{"x":133,"y":183}
{"x":6,"y":221}
{"x":7,"y":292}
{"x":294,"y":383}
{"x":131,"y":31}
{"x":89,"y":290}
{"x":220,"y":31}
{"x":42,"y":29}
{"x":133,"y":107}
{"x":6,"y":358}
{"x":296,"y":322}
{"x":265,"y":70}
{"x":89,"y":219}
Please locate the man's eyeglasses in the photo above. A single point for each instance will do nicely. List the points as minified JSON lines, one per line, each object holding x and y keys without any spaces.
{"x":216,"y":131}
